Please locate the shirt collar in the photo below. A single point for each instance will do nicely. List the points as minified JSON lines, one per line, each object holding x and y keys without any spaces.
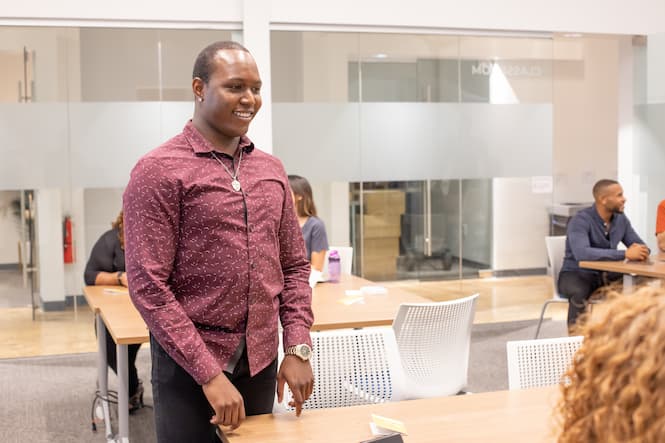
{"x":597,"y":216}
{"x":200,"y":145}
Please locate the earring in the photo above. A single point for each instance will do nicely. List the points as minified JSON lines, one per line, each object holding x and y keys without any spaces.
{"x":200,"y":99}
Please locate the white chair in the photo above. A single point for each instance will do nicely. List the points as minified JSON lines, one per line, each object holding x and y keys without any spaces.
{"x":556,"y":249}
{"x":345,"y":260}
{"x":433,"y":341}
{"x":352,"y":367}
{"x":533,"y":363}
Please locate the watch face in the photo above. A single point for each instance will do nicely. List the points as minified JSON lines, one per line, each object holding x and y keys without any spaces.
{"x":304,"y":351}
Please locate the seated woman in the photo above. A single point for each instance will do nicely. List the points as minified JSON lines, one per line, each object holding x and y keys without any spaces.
{"x":106,"y":266}
{"x":313,"y":229}
{"x":615,"y":389}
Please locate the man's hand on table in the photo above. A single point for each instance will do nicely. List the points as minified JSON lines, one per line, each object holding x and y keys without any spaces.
{"x":637,"y":252}
{"x":298,"y":375}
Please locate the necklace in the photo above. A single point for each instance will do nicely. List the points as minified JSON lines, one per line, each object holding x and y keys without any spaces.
{"x":235,"y":184}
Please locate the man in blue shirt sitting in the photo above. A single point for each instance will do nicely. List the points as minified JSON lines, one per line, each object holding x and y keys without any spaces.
{"x":593,"y":234}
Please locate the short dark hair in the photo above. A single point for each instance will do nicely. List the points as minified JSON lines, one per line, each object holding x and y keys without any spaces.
{"x":300,"y":187}
{"x":203,"y":65}
{"x":601,"y":185}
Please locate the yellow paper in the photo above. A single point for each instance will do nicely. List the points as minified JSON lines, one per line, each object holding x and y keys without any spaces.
{"x":389,"y":423}
{"x":349,"y":300}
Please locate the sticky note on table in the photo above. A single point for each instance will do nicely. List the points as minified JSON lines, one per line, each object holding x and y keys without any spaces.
{"x":351,"y":300}
{"x":384,"y":424}
{"x":373,"y":290}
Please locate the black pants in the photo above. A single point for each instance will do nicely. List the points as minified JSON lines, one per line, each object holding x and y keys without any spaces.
{"x":182,"y":411}
{"x":112,"y":359}
{"x":578,"y":286}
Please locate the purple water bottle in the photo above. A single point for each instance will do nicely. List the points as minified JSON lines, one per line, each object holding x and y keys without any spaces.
{"x":334,"y":266}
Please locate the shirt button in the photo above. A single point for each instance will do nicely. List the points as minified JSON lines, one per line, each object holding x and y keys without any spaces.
{"x":252,"y":265}
{"x":249,"y":228}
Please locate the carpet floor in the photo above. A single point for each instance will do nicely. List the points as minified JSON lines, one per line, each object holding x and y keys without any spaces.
{"x":49,"y":399}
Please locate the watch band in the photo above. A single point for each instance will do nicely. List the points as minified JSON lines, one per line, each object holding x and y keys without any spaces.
{"x":119,"y":277}
{"x":302,"y":351}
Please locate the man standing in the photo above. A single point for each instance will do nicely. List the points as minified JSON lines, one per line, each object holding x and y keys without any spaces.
{"x":214,"y":258}
{"x":593,"y":234}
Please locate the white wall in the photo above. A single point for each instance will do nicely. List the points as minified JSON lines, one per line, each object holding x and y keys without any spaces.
{"x":102,"y":207}
{"x":50,"y":266}
{"x":609,"y":16}
{"x":520,"y":224}
{"x":586,"y":126}
{"x":332,"y":204}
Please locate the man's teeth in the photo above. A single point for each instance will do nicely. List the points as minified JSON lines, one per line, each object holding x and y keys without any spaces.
{"x":243,"y":114}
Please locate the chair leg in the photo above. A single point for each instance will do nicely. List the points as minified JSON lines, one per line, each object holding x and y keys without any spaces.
{"x":542,"y":314}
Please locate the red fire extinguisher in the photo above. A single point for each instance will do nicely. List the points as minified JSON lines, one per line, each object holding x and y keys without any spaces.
{"x":68,"y":240}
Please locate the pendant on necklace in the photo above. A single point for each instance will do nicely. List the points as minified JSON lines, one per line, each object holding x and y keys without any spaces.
{"x":235,"y":184}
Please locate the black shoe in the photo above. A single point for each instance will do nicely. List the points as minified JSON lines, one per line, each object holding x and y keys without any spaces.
{"x":136,"y":400}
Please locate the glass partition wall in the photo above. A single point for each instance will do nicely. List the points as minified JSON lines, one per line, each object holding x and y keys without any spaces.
{"x":420,"y":148}
{"x":78,"y":107}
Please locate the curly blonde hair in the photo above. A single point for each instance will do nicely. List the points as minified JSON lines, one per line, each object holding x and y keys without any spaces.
{"x":615,"y":389}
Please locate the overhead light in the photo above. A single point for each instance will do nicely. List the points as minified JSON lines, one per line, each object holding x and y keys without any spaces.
{"x":380,"y":55}
{"x":572,"y":34}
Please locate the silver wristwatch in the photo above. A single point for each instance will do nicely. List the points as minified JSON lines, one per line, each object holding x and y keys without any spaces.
{"x":303,"y":351}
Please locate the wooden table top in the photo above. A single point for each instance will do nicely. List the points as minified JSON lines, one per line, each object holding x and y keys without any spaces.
{"x":98,"y":296}
{"x":654,"y":267}
{"x":497,"y":417}
{"x":333,"y":309}
{"x":121,"y":318}
{"x":124,"y":323}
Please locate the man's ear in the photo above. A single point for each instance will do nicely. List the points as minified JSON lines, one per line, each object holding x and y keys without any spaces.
{"x":197,"y":88}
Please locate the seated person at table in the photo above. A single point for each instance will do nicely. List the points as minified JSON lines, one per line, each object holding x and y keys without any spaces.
{"x":615,"y":389}
{"x":593,"y":234}
{"x":313,"y":228}
{"x":106,"y":266}
{"x":660,"y":226}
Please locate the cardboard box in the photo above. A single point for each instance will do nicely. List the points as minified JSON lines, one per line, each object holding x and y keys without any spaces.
{"x":381,"y":226}
{"x":384,"y":202}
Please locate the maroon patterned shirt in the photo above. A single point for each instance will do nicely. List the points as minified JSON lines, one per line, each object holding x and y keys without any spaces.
{"x":207,"y":265}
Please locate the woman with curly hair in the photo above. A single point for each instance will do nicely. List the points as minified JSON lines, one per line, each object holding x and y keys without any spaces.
{"x":615,"y":388}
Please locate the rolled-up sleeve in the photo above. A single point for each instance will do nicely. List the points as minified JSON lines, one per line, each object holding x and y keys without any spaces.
{"x":151,"y":205}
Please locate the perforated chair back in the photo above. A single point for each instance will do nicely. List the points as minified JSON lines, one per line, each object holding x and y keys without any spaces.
{"x":433,"y":341}
{"x":353,"y":367}
{"x":533,"y":363}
